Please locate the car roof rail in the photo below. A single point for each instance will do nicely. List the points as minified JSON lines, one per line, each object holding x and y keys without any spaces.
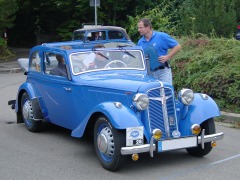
{"x":90,"y":25}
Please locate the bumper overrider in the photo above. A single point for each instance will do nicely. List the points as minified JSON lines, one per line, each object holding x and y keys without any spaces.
{"x":173,"y":144}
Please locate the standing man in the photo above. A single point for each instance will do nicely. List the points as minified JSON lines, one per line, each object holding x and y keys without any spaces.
{"x":161,"y":43}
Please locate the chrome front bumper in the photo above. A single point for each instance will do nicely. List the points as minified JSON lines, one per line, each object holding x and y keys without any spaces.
{"x":209,"y":138}
{"x":152,"y":147}
{"x":140,"y":149}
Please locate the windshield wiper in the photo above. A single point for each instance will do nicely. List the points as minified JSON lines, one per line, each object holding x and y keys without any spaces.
{"x":126,"y":52}
{"x":99,"y":53}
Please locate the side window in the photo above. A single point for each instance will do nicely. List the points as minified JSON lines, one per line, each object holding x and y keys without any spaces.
{"x":35,"y":62}
{"x":50,"y":62}
{"x":97,"y":35}
{"x":54,"y":64}
{"x":78,"y":36}
{"x":103,"y":35}
{"x":115,"y":35}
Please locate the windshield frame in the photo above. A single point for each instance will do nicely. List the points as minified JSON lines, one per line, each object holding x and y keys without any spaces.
{"x":78,"y":59}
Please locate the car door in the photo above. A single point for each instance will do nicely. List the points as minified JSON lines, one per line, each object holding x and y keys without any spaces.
{"x":57,"y":94}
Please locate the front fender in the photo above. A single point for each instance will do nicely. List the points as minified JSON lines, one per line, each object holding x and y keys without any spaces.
{"x":120,"y":118}
{"x":199,"y":111}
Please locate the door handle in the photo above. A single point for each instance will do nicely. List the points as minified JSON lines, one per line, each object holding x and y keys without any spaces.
{"x":67,"y":89}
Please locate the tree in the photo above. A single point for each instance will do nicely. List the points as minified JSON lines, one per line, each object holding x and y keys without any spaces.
{"x":237,"y":9}
{"x":208,"y":17}
{"x":8,"y":9}
{"x":58,"y":18}
{"x":160,"y":17}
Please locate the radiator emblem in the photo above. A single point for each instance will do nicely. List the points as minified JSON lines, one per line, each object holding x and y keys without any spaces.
{"x":176,"y":134}
{"x":171,"y":121}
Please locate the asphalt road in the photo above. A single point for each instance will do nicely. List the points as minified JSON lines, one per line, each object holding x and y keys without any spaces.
{"x":54,"y":154}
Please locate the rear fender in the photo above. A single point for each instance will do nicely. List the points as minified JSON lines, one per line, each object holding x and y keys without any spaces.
{"x":27,"y":87}
{"x":120,"y":118}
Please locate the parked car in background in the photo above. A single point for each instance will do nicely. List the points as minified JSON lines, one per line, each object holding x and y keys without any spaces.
{"x":91,"y":35}
{"x":238,"y":33}
{"x":109,"y":94}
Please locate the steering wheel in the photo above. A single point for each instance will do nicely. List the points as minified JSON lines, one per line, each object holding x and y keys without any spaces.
{"x":115,"y":63}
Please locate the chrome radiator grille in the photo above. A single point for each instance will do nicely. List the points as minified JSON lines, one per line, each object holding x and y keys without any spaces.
{"x":162,"y":111}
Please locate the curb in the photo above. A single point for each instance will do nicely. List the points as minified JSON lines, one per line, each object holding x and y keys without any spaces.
{"x":230,"y":116}
{"x":13,"y":70}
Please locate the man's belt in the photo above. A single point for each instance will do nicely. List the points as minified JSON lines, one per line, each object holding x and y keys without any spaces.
{"x":166,"y":64}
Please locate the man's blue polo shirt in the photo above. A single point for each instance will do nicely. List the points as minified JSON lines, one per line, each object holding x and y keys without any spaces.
{"x":160,"y":41}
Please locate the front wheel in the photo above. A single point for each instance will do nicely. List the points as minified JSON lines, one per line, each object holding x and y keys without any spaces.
{"x":27,"y":114}
{"x":209,"y":127}
{"x":107,"y":143}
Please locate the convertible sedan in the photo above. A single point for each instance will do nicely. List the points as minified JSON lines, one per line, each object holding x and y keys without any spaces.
{"x":108,"y":93}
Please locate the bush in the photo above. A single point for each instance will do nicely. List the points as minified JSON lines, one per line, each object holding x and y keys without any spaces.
{"x":5,"y":53}
{"x":210,"y":66}
{"x":206,"y":16}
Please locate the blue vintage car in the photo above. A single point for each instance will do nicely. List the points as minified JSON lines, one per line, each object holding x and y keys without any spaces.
{"x":108,"y":93}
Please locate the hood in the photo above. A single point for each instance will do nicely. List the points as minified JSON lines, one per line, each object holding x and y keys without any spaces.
{"x":119,"y":81}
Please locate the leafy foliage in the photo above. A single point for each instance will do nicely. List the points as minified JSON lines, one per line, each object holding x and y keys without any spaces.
{"x":208,"y":16}
{"x":5,"y":53}
{"x":210,"y":66}
{"x":160,"y":17}
{"x":8,"y":9}
{"x":58,"y":18}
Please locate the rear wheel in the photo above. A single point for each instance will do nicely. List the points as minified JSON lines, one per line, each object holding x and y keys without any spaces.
{"x":108,"y":142}
{"x":27,"y":114}
{"x":209,"y":127}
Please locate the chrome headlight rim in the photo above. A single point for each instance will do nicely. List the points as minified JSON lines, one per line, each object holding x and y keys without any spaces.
{"x":186,"y":96}
{"x":196,"y":129}
{"x":157,"y":134}
{"x":141,"y":101}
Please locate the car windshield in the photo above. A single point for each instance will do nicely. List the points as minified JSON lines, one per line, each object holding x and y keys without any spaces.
{"x":99,"y":60}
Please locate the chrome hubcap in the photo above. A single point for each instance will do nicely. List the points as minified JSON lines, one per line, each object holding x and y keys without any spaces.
{"x":102,"y":143}
{"x":27,"y":110}
{"x":105,"y":142}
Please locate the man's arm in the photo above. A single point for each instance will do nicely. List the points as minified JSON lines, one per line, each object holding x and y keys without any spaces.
{"x":174,"y":50}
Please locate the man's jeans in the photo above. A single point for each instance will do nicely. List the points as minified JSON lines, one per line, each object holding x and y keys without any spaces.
{"x":163,"y":75}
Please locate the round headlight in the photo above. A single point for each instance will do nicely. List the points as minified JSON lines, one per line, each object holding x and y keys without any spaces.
{"x":141,"y":101}
{"x":186,"y":96}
